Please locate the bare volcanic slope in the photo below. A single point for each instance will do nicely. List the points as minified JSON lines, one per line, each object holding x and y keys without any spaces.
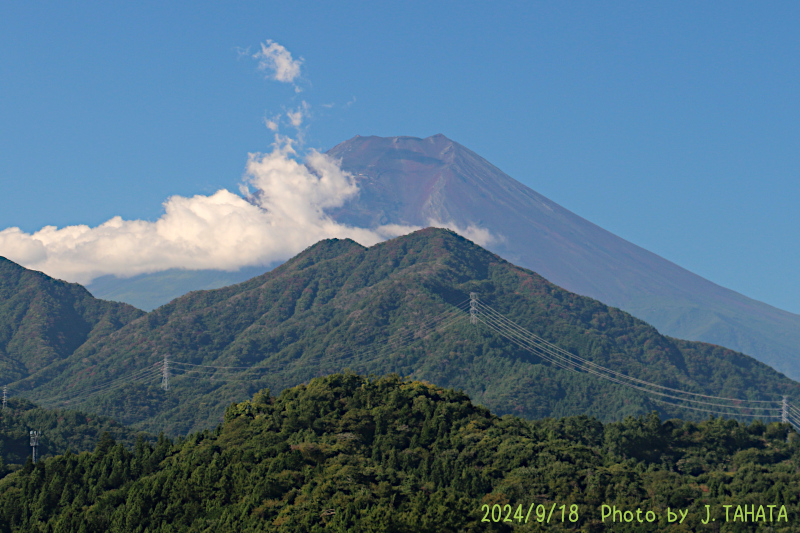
{"x":407,"y":180}
{"x":389,"y":308}
{"x":44,"y":320}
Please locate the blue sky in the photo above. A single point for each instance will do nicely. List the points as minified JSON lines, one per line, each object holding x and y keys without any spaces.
{"x":675,"y":126}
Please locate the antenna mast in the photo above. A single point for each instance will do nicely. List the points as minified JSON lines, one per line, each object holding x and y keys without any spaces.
{"x":35,"y":444}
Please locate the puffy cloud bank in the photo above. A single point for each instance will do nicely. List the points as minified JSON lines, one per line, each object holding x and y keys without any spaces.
{"x":281,"y":214}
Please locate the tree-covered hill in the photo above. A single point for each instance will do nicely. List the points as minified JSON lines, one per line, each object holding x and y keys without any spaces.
{"x":348,"y":453}
{"x":43,"y":320}
{"x":339,"y":305}
{"x":61,"y":430}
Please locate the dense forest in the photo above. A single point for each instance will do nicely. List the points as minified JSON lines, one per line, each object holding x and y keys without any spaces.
{"x":62,"y":430}
{"x":388,"y":308}
{"x":349,"y":453}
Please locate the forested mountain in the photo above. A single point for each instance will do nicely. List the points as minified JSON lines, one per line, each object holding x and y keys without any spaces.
{"x":388,"y":308}
{"x":413,"y":181}
{"x":347,"y":453}
{"x":43,"y":320}
{"x":408,"y":180}
{"x":61,"y":430}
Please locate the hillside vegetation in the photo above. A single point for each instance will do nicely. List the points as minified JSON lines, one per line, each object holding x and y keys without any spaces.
{"x":348,"y":453}
{"x":44,"y":320}
{"x":338,"y":305}
{"x":61,"y":430}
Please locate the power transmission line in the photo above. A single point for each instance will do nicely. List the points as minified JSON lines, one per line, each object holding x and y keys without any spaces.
{"x":478,"y":312}
{"x":579,"y":362}
{"x":67,"y":396}
{"x":568,"y":361}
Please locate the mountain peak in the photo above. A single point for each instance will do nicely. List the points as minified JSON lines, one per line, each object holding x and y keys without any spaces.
{"x":372,"y":143}
{"x":421,"y":182}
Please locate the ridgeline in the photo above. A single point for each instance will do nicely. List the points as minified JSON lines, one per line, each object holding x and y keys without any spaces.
{"x":388,"y":308}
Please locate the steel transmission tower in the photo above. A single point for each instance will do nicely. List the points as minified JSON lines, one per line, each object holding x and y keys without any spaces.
{"x":785,"y":410}
{"x":5,"y":396}
{"x":473,"y":308}
{"x":165,"y":374}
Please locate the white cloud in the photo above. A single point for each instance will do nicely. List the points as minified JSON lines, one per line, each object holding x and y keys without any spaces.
{"x":293,"y":118}
{"x":283,"y":213}
{"x":296,"y":116}
{"x":343,"y":106}
{"x":277,"y":62}
{"x":478,"y":235}
{"x":272,"y":123}
{"x":280,"y":212}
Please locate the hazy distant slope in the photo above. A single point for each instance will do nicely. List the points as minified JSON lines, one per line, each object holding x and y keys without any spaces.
{"x":339,"y":305}
{"x":43,"y":320}
{"x":408,"y":180}
{"x":148,"y":291}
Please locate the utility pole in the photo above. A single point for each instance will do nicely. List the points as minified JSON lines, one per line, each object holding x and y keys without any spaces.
{"x":5,"y":396}
{"x":165,"y":373}
{"x":785,"y":410}
{"x":35,"y":443}
{"x":473,"y":308}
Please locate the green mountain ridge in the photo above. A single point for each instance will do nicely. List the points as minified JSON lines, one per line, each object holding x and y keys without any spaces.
{"x":339,"y":305}
{"x":44,"y":320}
{"x":349,"y":453}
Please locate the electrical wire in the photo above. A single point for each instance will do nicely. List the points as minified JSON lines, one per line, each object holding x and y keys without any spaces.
{"x":67,"y":396}
{"x":583,"y":361}
{"x":620,"y":382}
{"x":140,"y":374}
{"x":490,"y":317}
{"x":710,"y":411}
{"x":560,"y":357}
